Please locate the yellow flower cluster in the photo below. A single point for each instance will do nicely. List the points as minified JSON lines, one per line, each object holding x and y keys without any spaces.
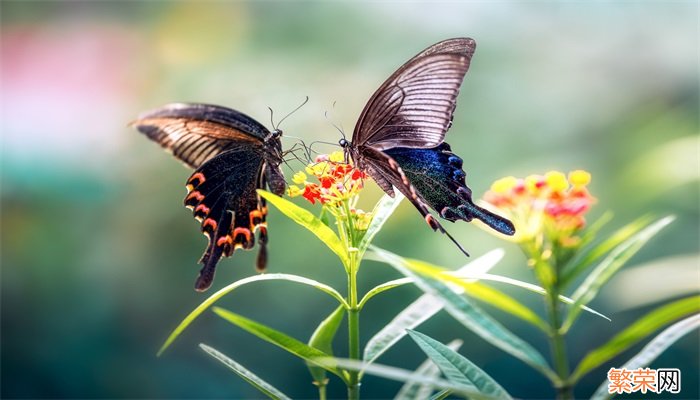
{"x":337,"y":181}
{"x":548,"y":204}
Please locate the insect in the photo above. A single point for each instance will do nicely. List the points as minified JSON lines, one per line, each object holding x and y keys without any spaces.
{"x":399,"y":138}
{"x":232,"y":155}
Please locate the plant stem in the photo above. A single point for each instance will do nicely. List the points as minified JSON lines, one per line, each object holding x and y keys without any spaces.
{"x":353,"y":328}
{"x":556,"y":338}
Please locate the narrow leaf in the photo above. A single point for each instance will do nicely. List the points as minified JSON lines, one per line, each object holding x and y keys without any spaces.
{"x":224,"y":291}
{"x":419,"y":311}
{"x":418,"y":391}
{"x":441,"y":395}
{"x":322,"y":339}
{"x":478,"y":291}
{"x":309,"y":221}
{"x":403,"y":375}
{"x":283,"y":341}
{"x":457,"y":368}
{"x":472,"y":317}
{"x":636,"y":332}
{"x":527,"y":286}
{"x":382,"y":288}
{"x":653,"y":349}
{"x":587,"y":257}
{"x":609,"y":266}
{"x":592,"y":230}
{"x":264,"y":387}
{"x":381,"y":213}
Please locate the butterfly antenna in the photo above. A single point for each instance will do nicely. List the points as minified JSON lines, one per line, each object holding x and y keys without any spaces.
{"x":321,"y":141}
{"x":272,"y":122}
{"x":306,"y":100}
{"x":339,"y":129}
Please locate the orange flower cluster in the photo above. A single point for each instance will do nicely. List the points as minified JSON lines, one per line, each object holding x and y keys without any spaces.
{"x":549,"y":204}
{"x":337,"y":181}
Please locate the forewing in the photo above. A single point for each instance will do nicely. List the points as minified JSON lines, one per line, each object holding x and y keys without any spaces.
{"x":414,"y":107}
{"x":222,"y":195}
{"x":195,"y":133}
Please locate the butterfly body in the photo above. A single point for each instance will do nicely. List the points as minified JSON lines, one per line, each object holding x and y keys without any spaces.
{"x":233,"y":155}
{"x":399,"y":137}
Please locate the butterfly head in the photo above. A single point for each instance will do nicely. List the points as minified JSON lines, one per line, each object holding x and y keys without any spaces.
{"x":276,"y":133}
{"x":344,"y":143}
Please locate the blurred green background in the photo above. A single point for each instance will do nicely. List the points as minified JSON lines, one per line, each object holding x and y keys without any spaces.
{"x":99,"y":256}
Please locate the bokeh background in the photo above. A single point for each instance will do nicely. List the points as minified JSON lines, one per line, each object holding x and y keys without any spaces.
{"x":99,"y":256}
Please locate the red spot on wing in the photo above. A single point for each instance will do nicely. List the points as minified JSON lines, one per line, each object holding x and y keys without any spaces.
{"x":242,"y":237}
{"x":431,"y":221}
{"x":201,"y":211}
{"x":209,"y":223}
{"x":256,"y":218}
{"x":196,"y":179}
{"x":193,"y":198}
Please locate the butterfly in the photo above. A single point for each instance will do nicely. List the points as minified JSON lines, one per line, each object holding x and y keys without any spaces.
{"x":399,"y":138}
{"x":232,"y":155}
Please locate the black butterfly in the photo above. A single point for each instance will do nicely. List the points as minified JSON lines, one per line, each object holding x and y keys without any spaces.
{"x":398,"y":139}
{"x":233,"y":155}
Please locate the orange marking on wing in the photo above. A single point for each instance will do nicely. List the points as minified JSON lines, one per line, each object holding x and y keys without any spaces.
{"x":209,"y":222}
{"x":224,"y":240}
{"x":204,"y":209}
{"x":199,"y":177}
{"x":431,"y":221}
{"x":256,"y":218}
{"x":241,"y":231}
{"x":194,"y":195}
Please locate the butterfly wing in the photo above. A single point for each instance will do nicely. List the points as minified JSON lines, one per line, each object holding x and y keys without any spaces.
{"x":398,"y":139}
{"x":414,"y":107}
{"x":383,"y":168}
{"x":222,"y":195}
{"x":439,"y":180}
{"x":195,"y":133}
{"x":233,"y":156}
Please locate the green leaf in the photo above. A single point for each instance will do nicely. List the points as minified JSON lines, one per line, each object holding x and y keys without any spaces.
{"x":403,"y":375}
{"x":636,"y":332}
{"x":418,"y":391}
{"x":382,"y":288}
{"x":477,"y":290}
{"x":457,"y":368}
{"x":609,"y":266}
{"x":283,"y":341}
{"x":524,"y":285}
{"x":472,"y":317}
{"x":592,"y":230}
{"x":419,"y":311}
{"x":224,"y":291}
{"x":441,"y":395}
{"x":653,"y":349}
{"x":586,"y":258}
{"x":267,"y":389}
{"x":322,"y":339}
{"x":309,"y":221}
{"x":381,"y":213}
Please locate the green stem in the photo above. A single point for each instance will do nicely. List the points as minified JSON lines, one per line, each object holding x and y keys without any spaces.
{"x":322,"y":392}
{"x":353,"y":328}
{"x":556,"y":338}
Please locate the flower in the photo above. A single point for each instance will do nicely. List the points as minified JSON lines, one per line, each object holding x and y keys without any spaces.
{"x":337,"y":181}
{"x":551,"y":205}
